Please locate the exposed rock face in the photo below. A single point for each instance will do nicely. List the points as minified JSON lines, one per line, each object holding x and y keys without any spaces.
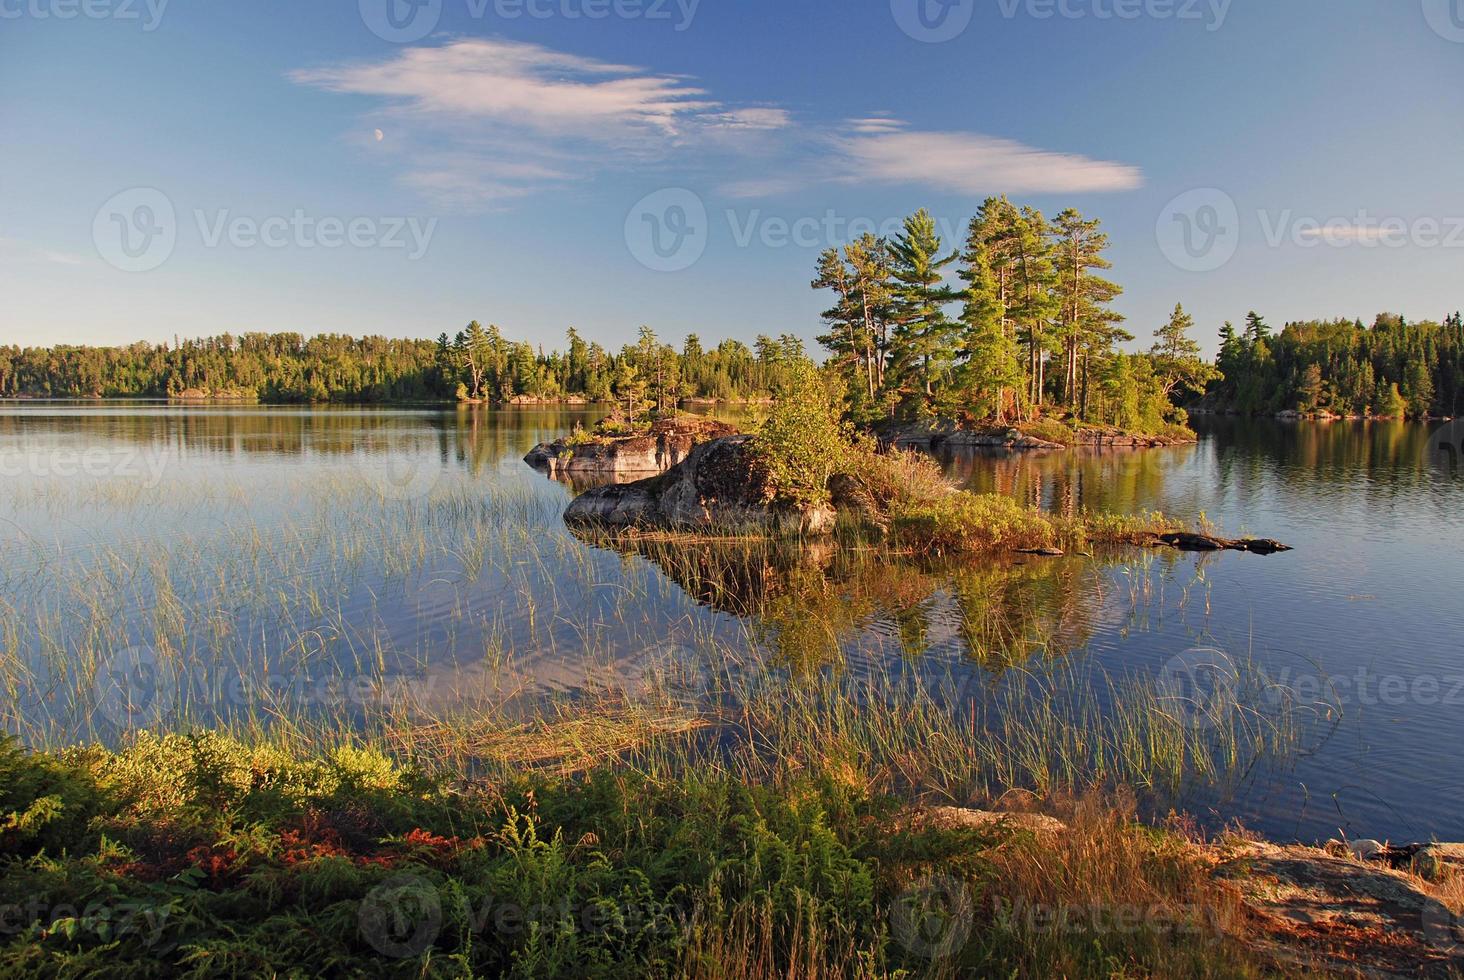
{"x":717,"y":488}
{"x":937,"y":436}
{"x":1349,"y":914}
{"x":668,"y":442}
{"x":948,"y":436}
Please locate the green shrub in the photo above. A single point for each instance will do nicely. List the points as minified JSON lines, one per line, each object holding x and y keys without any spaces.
{"x":803,"y":442}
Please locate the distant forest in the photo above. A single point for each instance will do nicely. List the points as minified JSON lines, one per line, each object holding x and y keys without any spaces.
{"x":1392,"y":368}
{"x":1013,"y":324}
{"x":479,"y":364}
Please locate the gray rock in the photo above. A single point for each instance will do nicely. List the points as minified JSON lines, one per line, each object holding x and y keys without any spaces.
{"x":717,"y":489}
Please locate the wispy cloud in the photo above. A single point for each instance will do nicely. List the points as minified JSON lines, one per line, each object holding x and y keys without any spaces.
{"x":26,"y":250}
{"x":969,"y":163}
{"x":481,"y":122}
{"x":521,"y":85}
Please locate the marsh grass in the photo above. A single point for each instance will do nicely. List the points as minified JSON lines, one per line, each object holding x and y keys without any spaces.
{"x":713,"y":734}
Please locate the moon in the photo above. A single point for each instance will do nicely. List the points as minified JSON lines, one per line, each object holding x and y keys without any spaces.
{"x":380,"y":136}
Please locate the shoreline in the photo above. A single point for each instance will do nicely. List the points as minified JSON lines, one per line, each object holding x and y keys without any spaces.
{"x":204,"y":851}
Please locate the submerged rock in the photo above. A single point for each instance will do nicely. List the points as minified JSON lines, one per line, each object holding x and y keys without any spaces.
{"x":1187,"y":541}
{"x":666,"y":443}
{"x":718,"y":488}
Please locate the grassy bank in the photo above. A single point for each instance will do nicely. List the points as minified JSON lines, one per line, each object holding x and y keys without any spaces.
{"x":201,"y":856}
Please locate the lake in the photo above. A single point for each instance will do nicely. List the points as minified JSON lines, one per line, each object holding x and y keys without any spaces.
{"x":168,"y":566}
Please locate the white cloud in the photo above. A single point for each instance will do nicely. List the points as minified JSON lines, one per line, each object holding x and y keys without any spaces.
{"x":756,"y":118}
{"x":878,"y":123}
{"x":479,"y":122}
{"x":522,"y":85}
{"x":969,"y":163}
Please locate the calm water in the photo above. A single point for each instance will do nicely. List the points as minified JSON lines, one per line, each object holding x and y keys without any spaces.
{"x":328,"y":561}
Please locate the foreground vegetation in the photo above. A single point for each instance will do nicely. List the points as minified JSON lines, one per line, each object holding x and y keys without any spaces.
{"x":201,"y":856}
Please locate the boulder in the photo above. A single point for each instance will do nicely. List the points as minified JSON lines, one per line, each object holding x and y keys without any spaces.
{"x":718,"y":488}
{"x":666,"y":443}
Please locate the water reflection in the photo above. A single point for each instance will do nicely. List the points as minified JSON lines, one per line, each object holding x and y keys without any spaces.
{"x":283,"y":550}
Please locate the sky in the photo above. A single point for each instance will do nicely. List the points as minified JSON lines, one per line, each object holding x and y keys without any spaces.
{"x":400,"y":167}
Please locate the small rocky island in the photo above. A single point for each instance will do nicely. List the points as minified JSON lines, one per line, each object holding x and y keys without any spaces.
{"x":708,"y":480}
{"x":618,"y":452}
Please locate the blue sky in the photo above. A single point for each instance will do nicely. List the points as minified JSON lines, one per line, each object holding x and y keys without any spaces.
{"x":283,"y":165}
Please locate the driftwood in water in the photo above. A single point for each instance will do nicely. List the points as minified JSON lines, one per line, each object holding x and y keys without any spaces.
{"x":1187,"y":541}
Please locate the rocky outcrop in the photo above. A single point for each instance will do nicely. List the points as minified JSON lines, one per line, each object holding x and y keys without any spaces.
{"x":938,"y":436}
{"x":719,"y":488}
{"x":666,"y":443}
{"x":949,"y":436}
{"x":1353,"y":914}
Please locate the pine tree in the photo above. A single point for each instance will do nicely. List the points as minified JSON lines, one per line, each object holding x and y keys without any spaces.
{"x":1176,"y":355}
{"x":1084,"y":297}
{"x":923,"y":332}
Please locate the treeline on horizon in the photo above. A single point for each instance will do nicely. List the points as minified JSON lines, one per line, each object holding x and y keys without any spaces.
{"x":1392,"y":368}
{"x":479,"y":364}
{"x":1014,"y":324}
